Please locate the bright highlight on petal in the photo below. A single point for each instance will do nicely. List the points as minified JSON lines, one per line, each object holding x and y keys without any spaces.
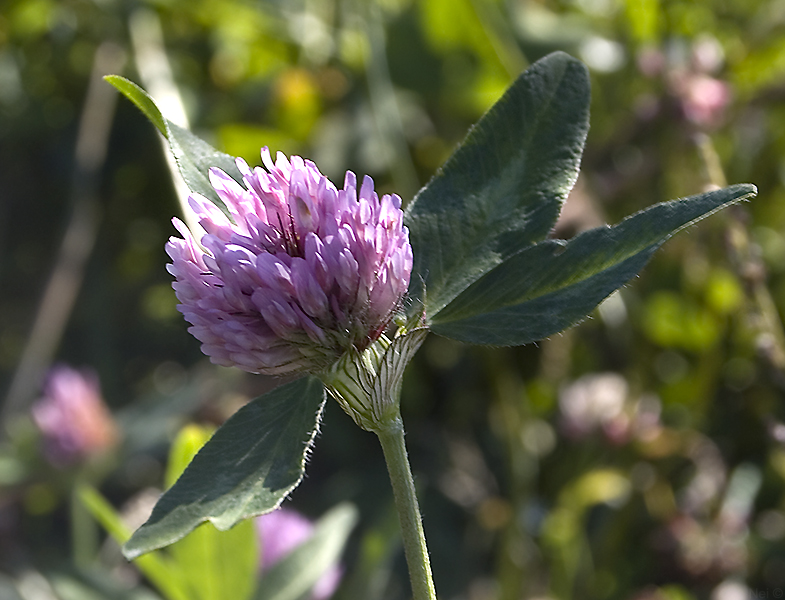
{"x":297,"y":275}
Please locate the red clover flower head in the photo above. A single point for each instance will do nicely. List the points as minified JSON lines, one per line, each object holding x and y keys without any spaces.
{"x":297,"y":274}
{"x":73,"y":418}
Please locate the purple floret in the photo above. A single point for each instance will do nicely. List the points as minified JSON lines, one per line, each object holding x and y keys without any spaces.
{"x":299,"y":274}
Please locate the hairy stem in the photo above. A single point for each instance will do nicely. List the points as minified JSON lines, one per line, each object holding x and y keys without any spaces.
{"x":391,"y":436}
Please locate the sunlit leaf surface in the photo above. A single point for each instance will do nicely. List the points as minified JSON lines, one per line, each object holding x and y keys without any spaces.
{"x":503,"y":188}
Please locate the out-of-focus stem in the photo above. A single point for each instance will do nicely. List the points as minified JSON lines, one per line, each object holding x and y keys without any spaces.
{"x":391,"y":436}
{"x":712,"y":165}
{"x":509,"y":415}
{"x":499,"y":34}
{"x":385,"y":107}
{"x":152,"y":63}
{"x":77,"y":245}
{"x":771,"y":338}
{"x":84,"y":532}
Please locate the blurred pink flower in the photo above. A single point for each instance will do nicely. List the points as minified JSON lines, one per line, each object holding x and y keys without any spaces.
{"x":280,"y":532}
{"x":298,"y":274}
{"x":689,"y":76}
{"x":602,"y":402}
{"x":72,"y":417}
{"x":704,"y":100}
{"x":651,"y":61}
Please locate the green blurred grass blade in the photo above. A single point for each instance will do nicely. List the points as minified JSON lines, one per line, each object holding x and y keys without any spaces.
{"x":215,"y":564}
{"x":247,"y":468}
{"x":8,"y":590}
{"x":186,"y":445}
{"x":94,"y":585}
{"x":373,"y":566}
{"x":503,"y":189}
{"x":295,"y":575}
{"x":552,"y":285}
{"x":161,"y":571}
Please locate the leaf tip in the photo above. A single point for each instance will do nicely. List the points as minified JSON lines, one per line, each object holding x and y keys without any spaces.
{"x":148,"y":538}
{"x":347,"y":513}
{"x":741,"y":192}
{"x":143,"y":541}
{"x":141,"y":99}
{"x":116,"y":81}
{"x":131,"y":552}
{"x":565,"y":59}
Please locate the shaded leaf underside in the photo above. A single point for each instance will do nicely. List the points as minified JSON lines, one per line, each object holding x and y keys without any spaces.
{"x":549,"y":286}
{"x":246,"y":469}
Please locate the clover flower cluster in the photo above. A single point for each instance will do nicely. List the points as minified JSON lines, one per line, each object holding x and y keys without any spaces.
{"x":296,"y":274}
{"x":73,"y":418}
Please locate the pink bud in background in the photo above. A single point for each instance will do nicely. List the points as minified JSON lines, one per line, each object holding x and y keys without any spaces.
{"x":73,"y":418}
{"x":280,"y":532}
{"x":299,"y":273}
{"x":704,"y":100}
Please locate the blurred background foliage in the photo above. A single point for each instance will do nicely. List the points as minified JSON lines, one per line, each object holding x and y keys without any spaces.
{"x":640,"y":455}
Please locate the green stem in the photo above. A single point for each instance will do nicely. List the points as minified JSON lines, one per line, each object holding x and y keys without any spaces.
{"x":391,"y":436}
{"x":84,"y":533}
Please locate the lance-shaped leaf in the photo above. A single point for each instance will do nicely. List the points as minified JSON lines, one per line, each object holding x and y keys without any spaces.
{"x":552,"y":285}
{"x":246,"y":469}
{"x":504,"y":187}
{"x":194,"y":156}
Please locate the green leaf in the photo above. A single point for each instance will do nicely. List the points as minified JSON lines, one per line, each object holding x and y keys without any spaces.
{"x":194,"y":156}
{"x":247,"y":468}
{"x":158,"y":568}
{"x":141,"y":99}
{"x":552,"y":285}
{"x":215,"y":564}
{"x":503,"y":189}
{"x":298,"y":572}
